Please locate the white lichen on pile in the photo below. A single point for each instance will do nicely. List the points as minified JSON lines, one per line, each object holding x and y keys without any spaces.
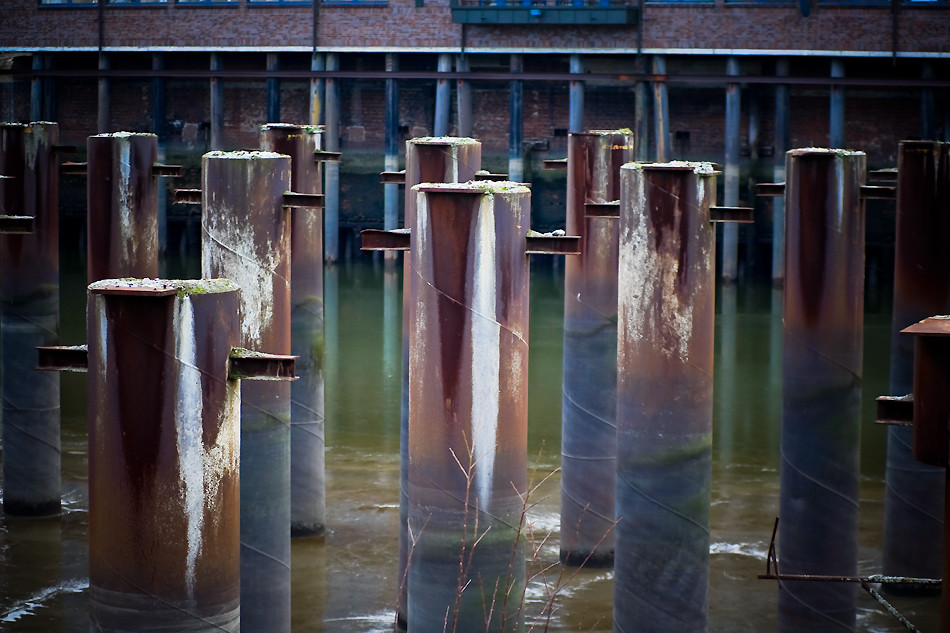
{"x":485,"y":350}
{"x":201,"y":467}
{"x":650,"y":307}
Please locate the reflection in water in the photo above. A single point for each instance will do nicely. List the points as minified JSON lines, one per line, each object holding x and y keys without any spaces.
{"x":346,"y":583}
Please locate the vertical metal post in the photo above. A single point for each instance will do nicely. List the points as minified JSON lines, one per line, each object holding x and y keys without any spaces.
{"x":927,"y":104}
{"x":664,"y":396}
{"x":468,"y":342}
{"x":29,"y":312}
{"x":29,"y":317}
{"x":730,"y":231}
{"x":307,"y":421}
{"x":391,"y":159}
{"x":122,"y":202}
{"x":778,"y":173}
{"x":661,"y":111}
{"x":164,"y":481}
{"x":216,"y":107}
{"x":516,"y":122}
{"x":913,"y":502}
{"x":273,"y":88}
{"x":331,"y":213}
{"x":427,"y":161}
{"x":576,"y":114}
{"x":104,"y":118}
{"x":821,"y":406}
{"x":317,"y":88}
{"x":641,"y":97}
{"x":246,"y":238}
{"x":463,"y":92}
{"x":159,"y":126}
{"x":36,"y":90}
{"x":589,"y":392}
{"x":443,"y":97}
{"x":836,"y":107}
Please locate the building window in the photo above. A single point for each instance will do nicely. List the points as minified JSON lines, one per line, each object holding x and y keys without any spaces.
{"x":68,"y":3}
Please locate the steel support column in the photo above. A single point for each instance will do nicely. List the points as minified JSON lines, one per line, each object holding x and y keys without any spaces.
{"x":664,"y":396}
{"x":164,"y":481}
{"x":516,"y":122}
{"x":589,"y":392}
{"x":122,"y":202}
{"x":331,"y":213}
{"x":821,"y":406}
{"x":246,"y":234}
{"x":443,"y":97}
{"x":307,"y":422}
{"x":730,"y":232}
{"x":29,"y":317}
{"x":427,"y":161}
{"x":468,"y":342}
{"x":913,"y":501}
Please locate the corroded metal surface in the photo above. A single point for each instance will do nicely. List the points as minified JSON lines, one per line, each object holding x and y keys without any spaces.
{"x":428,"y":160}
{"x":122,"y":200}
{"x":913,"y":503}
{"x":664,"y":396}
{"x":163,"y":457}
{"x":29,"y":318}
{"x":468,"y":348}
{"x":822,"y":356}
{"x":589,"y":392}
{"x":307,"y":425}
{"x":246,"y":238}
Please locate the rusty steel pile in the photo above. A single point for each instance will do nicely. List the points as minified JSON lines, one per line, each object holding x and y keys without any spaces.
{"x":197,"y":482}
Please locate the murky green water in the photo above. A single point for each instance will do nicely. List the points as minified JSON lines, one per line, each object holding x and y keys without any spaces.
{"x":348,"y":581}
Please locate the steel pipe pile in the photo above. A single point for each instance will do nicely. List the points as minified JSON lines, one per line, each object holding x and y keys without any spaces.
{"x":29,"y":317}
{"x":664,"y":396}
{"x":307,"y":421}
{"x":468,"y":349}
{"x":589,"y":392}
{"x":822,"y":357}
{"x":913,"y":503}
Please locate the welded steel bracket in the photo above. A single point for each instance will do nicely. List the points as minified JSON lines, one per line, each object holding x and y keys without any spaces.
{"x":168,"y":171}
{"x":602,"y":209}
{"x":739,"y":215}
{"x":484,"y":174}
{"x":244,"y":364}
{"x":16,"y":224}
{"x":72,"y":168}
{"x":770,"y":189}
{"x":555,"y":243}
{"x":63,"y":358}
{"x":187,"y":196}
{"x":393,"y":177}
{"x":321,"y":156}
{"x":382,"y":240}
{"x":303,"y":200}
{"x":895,"y":410}
{"x":879,"y":192}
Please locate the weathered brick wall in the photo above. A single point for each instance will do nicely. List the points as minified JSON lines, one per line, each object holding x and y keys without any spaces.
{"x":400,"y":24}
